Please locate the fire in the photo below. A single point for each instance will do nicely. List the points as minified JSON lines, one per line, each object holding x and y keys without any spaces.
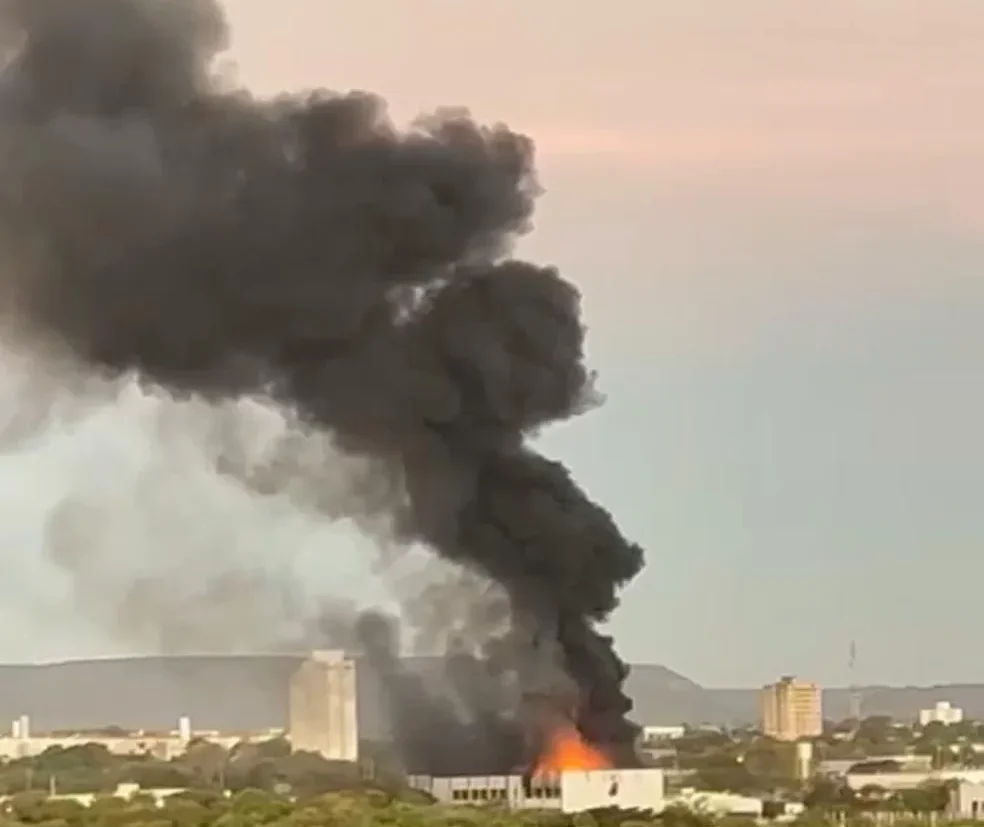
{"x":567,"y":750}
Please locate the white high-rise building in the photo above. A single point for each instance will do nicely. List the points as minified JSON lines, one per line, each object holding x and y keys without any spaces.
{"x":941,"y":713}
{"x":322,"y":714}
{"x":184,"y":729}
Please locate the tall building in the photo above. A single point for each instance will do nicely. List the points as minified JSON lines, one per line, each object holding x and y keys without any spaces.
{"x":791,"y":709}
{"x":941,"y":713}
{"x":322,"y":714}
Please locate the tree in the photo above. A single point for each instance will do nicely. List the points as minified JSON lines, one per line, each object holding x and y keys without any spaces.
{"x":77,"y":757}
{"x":255,"y":807}
{"x":679,"y":816}
{"x":829,"y":795}
{"x":701,"y":741}
{"x":252,"y":752}
{"x":871,"y":797}
{"x":772,"y":762}
{"x":209,"y":799}
{"x":725,"y":773}
{"x":154,"y":774}
{"x":27,"y":807}
{"x":876,"y":729}
{"x":206,"y":763}
{"x":61,"y":809}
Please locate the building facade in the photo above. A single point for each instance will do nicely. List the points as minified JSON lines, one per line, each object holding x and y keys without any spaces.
{"x":23,"y":742}
{"x":570,"y":791}
{"x":322,"y":717}
{"x":971,"y":779}
{"x":791,"y":709}
{"x":941,"y":713}
{"x":718,"y":803}
{"x":661,"y":734}
{"x":966,"y":801}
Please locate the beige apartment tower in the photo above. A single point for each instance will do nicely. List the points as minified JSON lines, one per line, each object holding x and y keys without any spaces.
{"x":791,"y":710}
{"x":322,"y":714}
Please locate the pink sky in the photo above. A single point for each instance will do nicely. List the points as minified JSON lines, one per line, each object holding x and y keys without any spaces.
{"x":867,"y":101}
{"x":774,"y":211}
{"x":696,"y":155}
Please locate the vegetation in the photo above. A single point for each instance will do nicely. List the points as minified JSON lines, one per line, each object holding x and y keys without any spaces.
{"x":268,"y":765}
{"x":252,"y":808}
{"x":366,"y":808}
{"x":744,"y":761}
{"x":260,"y":784}
{"x":832,"y":798}
{"x":947,"y":745}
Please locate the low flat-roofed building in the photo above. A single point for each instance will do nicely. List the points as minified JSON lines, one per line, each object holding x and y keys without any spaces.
{"x":572,"y":791}
{"x":966,"y":801}
{"x":718,"y":803}
{"x":656,"y":733}
{"x":22,"y":742}
{"x":833,"y":767}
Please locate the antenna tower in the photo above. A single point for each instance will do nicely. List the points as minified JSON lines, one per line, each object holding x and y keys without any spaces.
{"x":855,"y":692}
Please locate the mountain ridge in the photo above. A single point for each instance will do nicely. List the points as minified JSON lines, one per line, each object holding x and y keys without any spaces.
{"x":245,"y":692}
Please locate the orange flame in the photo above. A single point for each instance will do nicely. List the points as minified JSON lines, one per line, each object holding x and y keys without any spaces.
{"x":567,"y":750}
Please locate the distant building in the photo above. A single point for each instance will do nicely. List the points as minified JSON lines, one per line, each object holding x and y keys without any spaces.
{"x":941,"y":713}
{"x":23,"y":742}
{"x":570,"y":791}
{"x":912,"y":779}
{"x":718,"y":803}
{"x":804,"y":760}
{"x":966,"y":801}
{"x":123,"y":791}
{"x":322,"y":701}
{"x":656,"y":734}
{"x":840,"y":767}
{"x":791,"y":710}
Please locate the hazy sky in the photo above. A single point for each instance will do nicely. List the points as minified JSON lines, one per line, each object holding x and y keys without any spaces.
{"x":774,"y":211}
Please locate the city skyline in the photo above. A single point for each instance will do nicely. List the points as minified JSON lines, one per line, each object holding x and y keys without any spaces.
{"x":775,"y":222}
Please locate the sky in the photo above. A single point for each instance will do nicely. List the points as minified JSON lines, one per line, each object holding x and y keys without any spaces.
{"x":774,"y":213}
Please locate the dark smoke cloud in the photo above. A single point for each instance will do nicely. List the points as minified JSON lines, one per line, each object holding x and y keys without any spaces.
{"x":306,"y":250}
{"x":459,"y":721}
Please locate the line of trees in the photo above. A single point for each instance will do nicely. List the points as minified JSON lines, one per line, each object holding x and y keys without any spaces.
{"x":268,"y":779}
{"x":268,"y":765}
{"x":833,"y":797}
{"x":368,"y":808}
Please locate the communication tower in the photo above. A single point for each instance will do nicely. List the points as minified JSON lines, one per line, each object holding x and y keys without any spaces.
{"x":855,"y":691}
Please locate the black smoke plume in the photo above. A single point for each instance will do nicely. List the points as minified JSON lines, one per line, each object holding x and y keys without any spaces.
{"x":463,"y":729}
{"x":154,"y":222}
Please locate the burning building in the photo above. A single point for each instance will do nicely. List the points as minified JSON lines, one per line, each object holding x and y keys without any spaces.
{"x":568,"y":774}
{"x":569,"y":791}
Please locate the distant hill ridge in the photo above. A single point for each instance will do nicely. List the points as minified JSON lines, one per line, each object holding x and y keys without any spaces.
{"x":241,"y":692}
